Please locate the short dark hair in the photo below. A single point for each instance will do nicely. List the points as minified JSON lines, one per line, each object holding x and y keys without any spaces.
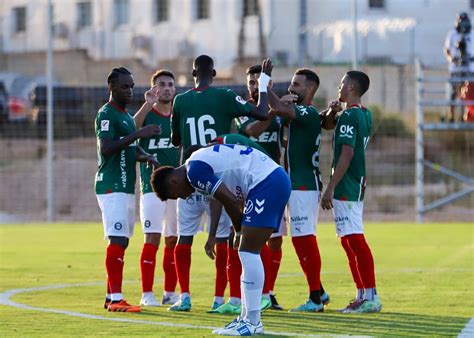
{"x":159,"y":181}
{"x":203,"y":64}
{"x":115,"y":73}
{"x":161,"y":72}
{"x":255,"y":69}
{"x":361,"y":80}
{"x":310,"y":75}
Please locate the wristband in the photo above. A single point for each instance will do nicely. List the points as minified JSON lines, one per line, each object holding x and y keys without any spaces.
{"x":263,"y":82}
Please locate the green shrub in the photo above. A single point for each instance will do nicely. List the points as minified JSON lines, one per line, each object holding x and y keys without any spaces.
{"x":387,"y":124}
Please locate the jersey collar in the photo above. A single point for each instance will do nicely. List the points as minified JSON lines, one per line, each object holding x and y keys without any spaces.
{"x":117,"y":107}
{"x":200,"y":89}
{"x":156,"y":112}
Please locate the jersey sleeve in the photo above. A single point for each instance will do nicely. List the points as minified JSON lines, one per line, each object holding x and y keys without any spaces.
{"x":346,"y":130}
{"x":104,"y":127}
{"x":175,"y":132}
{"x":237,"y":105}
{"x":242,"y":122}
{"x":202,"y":178}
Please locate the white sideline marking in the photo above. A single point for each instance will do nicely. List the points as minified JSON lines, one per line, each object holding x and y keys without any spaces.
{"x":5,"y":300}
{"x":468,"y":330}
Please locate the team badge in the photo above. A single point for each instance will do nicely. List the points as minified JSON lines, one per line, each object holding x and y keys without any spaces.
{"x":104,"y":125}
{"x":118,"y":226}
{"x":248,"y":207}
{"x":147,"y":224}
{"x":240,"y":100}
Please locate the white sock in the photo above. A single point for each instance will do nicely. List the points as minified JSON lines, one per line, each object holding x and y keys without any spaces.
{"x":116,"y":297}
{"x":369,"y":294}
{"x":218,"y":299}
{"x":360,"y":294}
{"x":251,"y":283}
{"x":184,"y":295}
{"x":148,"y":294}
{"x":107,"y":295}
{"x":169,"y":294}
{"x":235,"y":301}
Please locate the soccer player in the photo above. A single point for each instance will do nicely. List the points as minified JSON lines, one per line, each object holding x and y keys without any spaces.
{"x":268,"y":135}
{"x":302,"y":162}
{"x":157,"y":217}
{"x":115,"y":179}
{"x":223,"y":171}
{"x":198,"y":116}
{"x":345,"y":191}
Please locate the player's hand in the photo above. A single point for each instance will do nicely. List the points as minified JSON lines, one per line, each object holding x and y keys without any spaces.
{"x":335,"y":106}
{"x":152,"y":95}
{"x":151,"y":160}
{"x":149,"y":130}
{"x":288,"y":99}
{"x":267,"y":67}
{"x":210,"y":247}
{"x":326,"y":200}
{"x":236,"y":243}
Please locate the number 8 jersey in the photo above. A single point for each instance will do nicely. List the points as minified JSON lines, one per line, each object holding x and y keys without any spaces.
{"x":201,"y":115}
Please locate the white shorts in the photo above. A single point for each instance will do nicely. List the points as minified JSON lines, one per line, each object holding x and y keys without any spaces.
{"x":194,"y":211}
{"x":303,"y":207}
{"x":283,"y":230}
{"x":157,"y":216}
{"x":118,"y":214}
{"x":348,"y":217}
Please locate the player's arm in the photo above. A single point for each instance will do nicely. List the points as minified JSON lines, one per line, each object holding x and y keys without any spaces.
{"x":232,"y":205}
{"x":108,"y":146}
{"x":143,"y":156}
{"x":151,"y":97}
{"x":329,"y":115}
{"x":283,"y":107}
{"x":256,"y":128}
{"x":215,"y":213}
{"x":260,"y":112}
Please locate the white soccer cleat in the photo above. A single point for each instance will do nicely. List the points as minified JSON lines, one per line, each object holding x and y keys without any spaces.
{"x":149,"y":300}
{"x":243,"y":328}
{"x":169,"y":300}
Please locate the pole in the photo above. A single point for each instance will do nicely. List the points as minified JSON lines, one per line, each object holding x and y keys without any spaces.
{"x":355,"y":44}
{"x":49,"y":114}
{"x":419,"y":151}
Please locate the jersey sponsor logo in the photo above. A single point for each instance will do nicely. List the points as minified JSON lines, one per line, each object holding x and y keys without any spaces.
{"x":299,"y":219}
{"x":303,"y":110}
{"x":260,"y":206}
{"x":162,"y":143}
{"x":340,"y":220}
{"x":118,"y":226}
{"x":266,"y":136}
{"x":346,"y":131}
{"x":123,"y":171}
{"x":243,"y":119}
{"x":104,"y":125}
{"x":147,"y":223}
{"x":240,"y":100}
{"x":248,"y":207}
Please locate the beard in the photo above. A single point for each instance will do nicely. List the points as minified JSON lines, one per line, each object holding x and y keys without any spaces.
{"x":165,"y":101}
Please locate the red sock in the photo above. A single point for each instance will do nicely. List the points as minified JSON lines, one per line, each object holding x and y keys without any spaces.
{"x":147,"y":266}
{"x":114,"y":267}
{"x":169,"y":270}
{"x":234,"y":270}
{"x":275,"y":256}
{"x":182,"y":257}
{"x":365,"y":261}
{"x":352,"y":262}
{"x":306,"y":248}
{"x":108,"y":286}
{"x":266,"y":261}
{"x":221,"y":267}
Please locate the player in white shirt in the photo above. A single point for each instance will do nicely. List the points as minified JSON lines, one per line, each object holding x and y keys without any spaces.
{"x":223,"y":171}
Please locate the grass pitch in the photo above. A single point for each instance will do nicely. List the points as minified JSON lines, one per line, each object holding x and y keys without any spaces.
{"x":424,"y":278}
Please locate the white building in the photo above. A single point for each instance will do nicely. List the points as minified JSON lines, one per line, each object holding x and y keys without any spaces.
{"x":294,"y":31}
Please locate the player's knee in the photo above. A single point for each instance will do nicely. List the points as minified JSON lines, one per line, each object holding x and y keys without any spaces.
{"x":185,"y":240}
{"x":170,"y":242}
{"x":275,"y":243}
{"x":153,"y":238}
{"x":122,"y":241}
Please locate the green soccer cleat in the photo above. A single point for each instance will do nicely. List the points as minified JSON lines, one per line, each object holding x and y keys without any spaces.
{"x":309,"y":306}
{"x":265,"y":303}
{"x":226,"y":308}
{"x":214,"y":306}
{"x":369,"y":306}
{"x":183,"y":305}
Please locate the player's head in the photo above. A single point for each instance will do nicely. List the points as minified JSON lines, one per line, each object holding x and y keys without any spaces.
{"x":171,"y":183}
{"x":304,"y":84}
{"x":164,"y":79}
{"x":120,"y":83}
{"x":354,"y":84}
{"x":203,"y":67}
{"x":253,"y":73}
{"x":462,"y":23}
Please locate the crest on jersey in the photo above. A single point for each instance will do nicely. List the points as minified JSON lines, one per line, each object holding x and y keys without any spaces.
{"x":104,"y":125}
{"x":248,"y":207}
{"x":240,"y":100}
{"x":243,"y":119}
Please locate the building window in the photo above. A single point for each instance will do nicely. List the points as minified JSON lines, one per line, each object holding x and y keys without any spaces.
{"x":162,"y":10}
{"x":19,"y":17}
{"x":250,"y":7}
{"x":84,"y":14}
{"x":121,"y":12}
{"x":203,"y":10}
{"x":376,"y":3}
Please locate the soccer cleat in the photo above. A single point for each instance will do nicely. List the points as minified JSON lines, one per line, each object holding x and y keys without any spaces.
{"x":352,"y":306}
{"x":309,"y":306}
{"x":122,"y":306}
{"x":169,"y":300}
{"x":107,"y":302}
{"x":214,"y":306}
{"x":181,"y":305}
{"x":369,"y":306}
{"x":149,"y":300}
{"x":233,"y":323}
{"x":226,"y":308}
{"x":265,"y":303}
{"x":275,"y":305}
{"x":242,"y":328}
{"x":325,"y":299}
